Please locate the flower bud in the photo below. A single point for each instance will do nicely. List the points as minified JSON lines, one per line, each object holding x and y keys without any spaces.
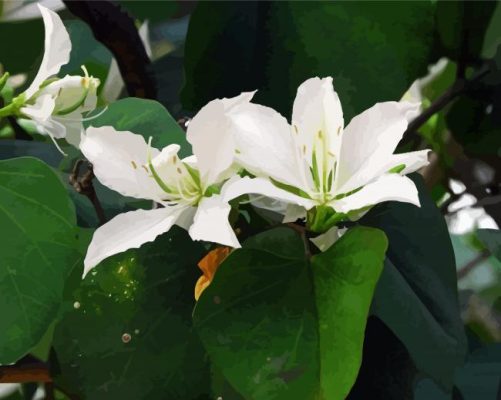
{"x":71,"y":93}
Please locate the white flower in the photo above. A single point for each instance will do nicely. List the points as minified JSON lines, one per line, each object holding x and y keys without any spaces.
{"x":336,"y":172}
{"x":21,"y":10}
{"x":194,"y":194}
{"x":56,"y":105}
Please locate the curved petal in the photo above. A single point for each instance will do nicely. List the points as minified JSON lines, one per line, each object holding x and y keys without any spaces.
{"x":21,"y":10}
{"x":237,"y":186}
{"x":412,"y":161}
{"x":265,"y":147}
{"x":57,"y":49}
{"x":211,"y":222}
{"x":119,"y":160}
{"x":129,"y":231}
{"x":389,"y":187}
{"x":293,"y":213}
{"x":368,"y":142}
{"x":41,"y":110}
{"x":317,"y":109}
{"x":209,"y":134}
{"x":325,"y":240}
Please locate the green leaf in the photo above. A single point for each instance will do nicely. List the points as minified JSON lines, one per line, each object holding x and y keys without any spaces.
{"x":86,"y":51}
{"x":146,"y":293}
{"x":275,"y":46}
{"x":345,"y":277}
{"x":146,"y":118}
{"x":38,"y":250}
{"x":416,"y":296}
{"x":491,"y":238}
{"x":479,"y":378}
{"x":258,"y":318}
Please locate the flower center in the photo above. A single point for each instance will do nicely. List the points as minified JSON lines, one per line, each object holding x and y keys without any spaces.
{"x":179,"y":181}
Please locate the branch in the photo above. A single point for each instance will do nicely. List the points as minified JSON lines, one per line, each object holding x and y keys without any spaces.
{"x":115,"y":29}
{"x":459,"y":87}
{"x":83,"y":185}
{"x":471,"y":265}
{"x":28,"y":369}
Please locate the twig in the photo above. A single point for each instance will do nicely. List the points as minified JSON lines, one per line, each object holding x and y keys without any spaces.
{"x":84,"y":186}
{"x":458,"y":87}
{"x":49,"y":391}
{"x":114,"y":28}
{"x":471,"y":265}
{"x":28,"y":369}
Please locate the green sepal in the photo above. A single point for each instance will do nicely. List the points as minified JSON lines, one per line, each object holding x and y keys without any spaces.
{"x":321,"y":218}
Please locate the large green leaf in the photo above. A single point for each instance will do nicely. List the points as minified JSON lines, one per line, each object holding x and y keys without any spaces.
{"x":345,"y":277}
{"x":38,"y":250}
{"x":146,"y":118}
{"x":148,"y":295}
{"x":416,"y":296}
{"x":480,"y":376}
{"x":374,"y":51}
{"x":279,"y":327}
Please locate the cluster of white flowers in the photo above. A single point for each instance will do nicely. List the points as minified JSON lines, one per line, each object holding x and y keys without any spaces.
{"x":323,"y":171}
{"x":314,"y":167}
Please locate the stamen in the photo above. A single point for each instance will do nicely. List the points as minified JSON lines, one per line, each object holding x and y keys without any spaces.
{"x":304,"y":149}
{"x":338,"y":130}
{"x":145,"y":168}
{"x":295,"y":129}
{"x":133,"y":164}
{"x":157,"y":178}
{"x":54,"y":139}
{"x":84,"y":69}
{"x":87,"y":118}
{"x":179,"y":171}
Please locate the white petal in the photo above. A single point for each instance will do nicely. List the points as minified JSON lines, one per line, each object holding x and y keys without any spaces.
{"x":119,"y":160}
{"x":368,"y":142}
{"x":129,"y":231}
{"x":317,"y":108}
{"x":265,"y":146}
{"x":389,"y":187}
{"x":144,"y":34}
{"x":413,"y":161}
{"x":293,"y":213}
{"x":211,"y":222}
{"x":41,"y":110}
{"x":21,"y":10}
{"x":57,"y":49}
{"x":237,"y":186}
{"x":324,"y":241}
{"x":210,"y":136}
